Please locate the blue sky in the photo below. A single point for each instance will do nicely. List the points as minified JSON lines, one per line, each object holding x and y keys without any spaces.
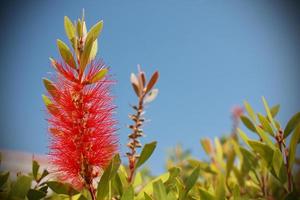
{"x":211,"y":55}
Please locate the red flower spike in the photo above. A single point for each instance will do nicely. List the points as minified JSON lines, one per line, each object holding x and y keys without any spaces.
{"x":81,"y":123}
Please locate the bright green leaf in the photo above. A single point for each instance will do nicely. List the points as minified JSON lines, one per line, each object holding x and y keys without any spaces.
{"x":159,"y":190}
{"x":274,"y":110}
{"x":61,"y":188}
{"x":128,"y":194}
{"x":291,"y":125}
{"x":250,"y":111}
{"x":264,"y":150}
{"x":265,"y":124}
{"x":206,"y":195}
{"x":100,"y":75}
{"x":94,"y":32}
{"x":66,"y":53}
{"x":69,"y":28}
{"x":277,"y":161}
{"x":109,"y":173}
{"x":267,"y":108}
{"x":146,"y":153}
{"x":247,"y":122}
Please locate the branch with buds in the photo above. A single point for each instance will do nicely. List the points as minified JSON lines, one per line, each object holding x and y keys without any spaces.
{"x":145,"y":94}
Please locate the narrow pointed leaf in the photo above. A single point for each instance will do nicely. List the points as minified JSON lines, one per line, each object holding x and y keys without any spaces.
{"x":247,"y":122}
{"x":50,"y":87}
{"x":265,"y":124}
{"x":94,"y":32}
{"x":146,"y":153}
{"x":69,"y":28}
{"x":159,"y":190}
{"x":267,"y":108}
{"x":85,"y":57}
{"x":250,"y":111}
{"x":152,"y":81}
{"x":35,"y":169}
{"x":100,"y":75}
{"x":293,"y":122}
{"x":66,"y":53}
{"x":274,"y":110}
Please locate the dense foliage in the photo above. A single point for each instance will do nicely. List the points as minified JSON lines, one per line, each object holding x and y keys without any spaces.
{"x":237,"y":166}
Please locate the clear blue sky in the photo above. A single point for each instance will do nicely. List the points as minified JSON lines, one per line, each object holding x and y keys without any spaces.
{"x":211,"y":55}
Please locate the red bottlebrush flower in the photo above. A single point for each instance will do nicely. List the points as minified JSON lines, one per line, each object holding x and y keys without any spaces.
{"x":81,"y":123}
{"x":80,"y":107}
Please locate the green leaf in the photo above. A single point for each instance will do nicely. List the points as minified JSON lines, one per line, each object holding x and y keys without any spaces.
{"x":277,"y":161}
{"x":148,"y":188}
{"x":46,"y":100}
{"x":146,"y":153}
{"x":61,"y":188}
{"x":86,"y":54}
{"x":94,"y":50}
{"x":265,"y":124}
{"x":117,"y":183}
{"x":191,"y":181}
{"x":293,"y":146}
{"x":270,"y":117}
{"x":44,"y":174}
{"x":205,"y":195}
{"x":250,"y":111}
{"x":128,"y":194}
{"x":243,"y":136}
{"x":159,"y":190}
{"x":20,"y":187}
{"x":247,"y":122}
{"x":35,"y":169}
{"x":265,"y":151}
{"x":50,"y":87}
{"x":274,"y":110}
{"x":94,"y":32}
{"x":147,"y":197}
{"x":220,"y":188}
{"x":291,"y":125}
{"x":264,"y":136}
{"x":3,"y":178}
{"x":100,"y":75}
{"x":69,"y":28}
{"x":249,"y":161}
{"x":35,"y":194}
{"x":66,"y":53}
{"x":109,"y":173}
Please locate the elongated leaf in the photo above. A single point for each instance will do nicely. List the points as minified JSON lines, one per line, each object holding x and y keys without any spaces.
{"x":274,"y":110}
{"x":46,"y":100}
{"x":147,"y":197}
{"x":49,"y":85}
{"x":293,"y":146}
{"x":267,"y":108}
{"x":265,"y":124}
{"x":152,"y":81}
{"x":61,"y":188}
{"x":264,"y":136}
{"x":277,"y":161}
{"x":146,"y":153}
{"x":247,"y":122}
{"x":265,"y":151}
{"x":94,"y":50}
{"x":85,"y":57}
{"x":128,"y":194}
{"x":207,"y":146}
{"x":94,"y":32}
{"x":100,"y":75}
{"x":109,"y":173}
{"x":243,"y":136}
{"x":66,"y":53}
{"x":159,"y":190}
{"x":192,"y":179}
{"x":250,"y":111}
{"x":204,"y":194}
{"x":293,"y":122}
{"x":35,"y":169}
{"x":69,"y":28}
